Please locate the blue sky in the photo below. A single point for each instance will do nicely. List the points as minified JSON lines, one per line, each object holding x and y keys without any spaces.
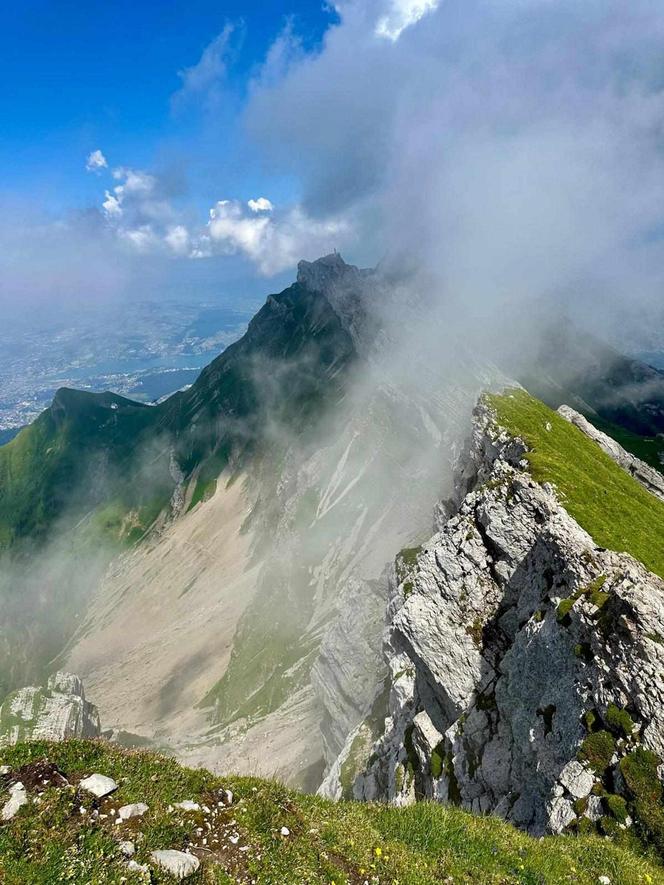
{"x":79,"y":75}
{"x":500,"y":146}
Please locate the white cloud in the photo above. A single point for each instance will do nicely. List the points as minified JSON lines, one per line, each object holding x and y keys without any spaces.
{"x":482,"y":145}
{"x":136,"y":196}
{"x":231,"y":229}
{"x":143,"y":238}
{"x":262,"y":204}
{"x":273,"y":243}
{"x":111,"y":205}
{"x":401,"y":15}
{"x":96,"y":162}
{"x":178,"y":240}
{"x":135,"y":181}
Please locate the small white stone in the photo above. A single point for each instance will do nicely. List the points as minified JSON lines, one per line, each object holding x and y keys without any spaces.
{"x":604,"y":880}
{"x":178,"y":863}
{"x":136,"y":809}
{"x":99,"y":785}
{"x":285,"y":831}
{"x":17,"y":798}
{"x":137,"y":867}
{"x":127,"y":848}
{"x":187,"y":805}
{"x":4,"y":769}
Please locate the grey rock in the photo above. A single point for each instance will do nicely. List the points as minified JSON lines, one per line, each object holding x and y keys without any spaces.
{"x":576,"y":779}
{"x":561,"y":814}
{"x":426,"y":737}
{"x":187,"y":805}
{"x":99,"y":785}
{"x":54,"y":713}
{"x":135,"y":867}
{"x":127,"y":848}
{"x":136,"y":809}
{"x":476,"y":645}
{"x":179,"y":864}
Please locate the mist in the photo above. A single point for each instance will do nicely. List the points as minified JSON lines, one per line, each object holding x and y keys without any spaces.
{"x":505,"y":150}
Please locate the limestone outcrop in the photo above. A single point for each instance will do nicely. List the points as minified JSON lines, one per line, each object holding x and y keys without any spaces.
{"x":52,"y":713}
{"x":526,"y":663}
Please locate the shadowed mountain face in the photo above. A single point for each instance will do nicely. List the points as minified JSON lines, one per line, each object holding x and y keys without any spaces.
{"x":96,"y":471}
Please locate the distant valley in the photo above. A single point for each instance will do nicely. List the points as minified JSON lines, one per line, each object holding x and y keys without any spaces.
{"x":144,"y":351}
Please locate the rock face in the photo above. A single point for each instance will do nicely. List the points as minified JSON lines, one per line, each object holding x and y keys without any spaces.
{"x":650,"y":478}
{"x":513,"y":641}
{"x":54,"y":713}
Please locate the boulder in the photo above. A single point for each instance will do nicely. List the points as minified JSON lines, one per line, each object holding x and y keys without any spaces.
{"x":136,"y":809}
{"x":187,"y":805}
{"x":576,"y":779}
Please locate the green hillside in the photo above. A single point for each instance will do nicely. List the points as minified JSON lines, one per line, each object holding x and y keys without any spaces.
{"x":268,"y":834}
{"x":606,"y":501}
{"x":89,"y":450}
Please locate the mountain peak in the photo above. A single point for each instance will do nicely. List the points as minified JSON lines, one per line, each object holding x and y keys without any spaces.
{"x":343,"y":285}
{"x":319,"y":275}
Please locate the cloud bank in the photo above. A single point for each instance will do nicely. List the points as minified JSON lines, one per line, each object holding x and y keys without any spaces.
{"x":510,"y":147}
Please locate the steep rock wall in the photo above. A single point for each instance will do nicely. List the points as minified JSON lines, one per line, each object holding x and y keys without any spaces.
{"x":514,"y":641}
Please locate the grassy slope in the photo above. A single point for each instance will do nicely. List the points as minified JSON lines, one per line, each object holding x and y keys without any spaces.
{"x":57,"y":460}
{"x":328,"y":843}
{"x":608,"y":503}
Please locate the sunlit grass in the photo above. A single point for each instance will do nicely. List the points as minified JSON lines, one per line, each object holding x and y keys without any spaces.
{"x":606,"y":501}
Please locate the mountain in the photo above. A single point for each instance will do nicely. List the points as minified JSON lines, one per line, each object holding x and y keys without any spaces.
{"x":87,"y":447}
{"x":622,"y":396}
{"x":217,"y":567}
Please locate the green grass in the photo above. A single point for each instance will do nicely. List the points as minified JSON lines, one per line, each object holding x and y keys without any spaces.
{"x":609,"y":504}
{"x":342,"y":843}
{"x":597,"y":750}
